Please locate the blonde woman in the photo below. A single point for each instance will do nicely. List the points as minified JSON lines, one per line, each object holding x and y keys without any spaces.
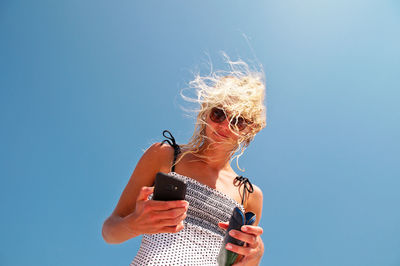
{"x":190,"y":232}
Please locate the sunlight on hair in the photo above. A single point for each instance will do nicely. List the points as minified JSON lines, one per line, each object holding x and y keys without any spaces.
{"x":240,"y":91}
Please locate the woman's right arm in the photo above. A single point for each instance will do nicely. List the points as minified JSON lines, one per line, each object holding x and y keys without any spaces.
{"x":135,"y":214}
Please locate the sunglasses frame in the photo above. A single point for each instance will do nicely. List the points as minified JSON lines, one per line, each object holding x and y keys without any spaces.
{"x":234,"y":123}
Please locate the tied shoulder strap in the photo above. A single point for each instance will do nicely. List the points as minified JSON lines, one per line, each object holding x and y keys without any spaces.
{"x":171,"y":141}
{"x":247,"y":186}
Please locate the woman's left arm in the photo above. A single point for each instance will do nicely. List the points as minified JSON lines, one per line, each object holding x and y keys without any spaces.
{"x":253,"y":249}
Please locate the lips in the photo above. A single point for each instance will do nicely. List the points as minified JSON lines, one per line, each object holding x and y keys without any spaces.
{"x":220,"y":134}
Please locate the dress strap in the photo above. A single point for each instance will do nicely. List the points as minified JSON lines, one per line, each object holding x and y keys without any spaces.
{"x":239,"y":181}
{"x":171,"y":141}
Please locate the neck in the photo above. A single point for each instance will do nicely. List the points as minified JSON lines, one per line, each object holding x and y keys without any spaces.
{"x":216,"y":156}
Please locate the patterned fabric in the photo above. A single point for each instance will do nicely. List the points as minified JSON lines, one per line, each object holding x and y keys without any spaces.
{"x":201,"y":239}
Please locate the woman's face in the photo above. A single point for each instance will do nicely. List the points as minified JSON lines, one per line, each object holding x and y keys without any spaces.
{"x":220,"y":131}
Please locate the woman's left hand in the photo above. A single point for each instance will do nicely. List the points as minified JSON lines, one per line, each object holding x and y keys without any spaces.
{"x":253,"y":248}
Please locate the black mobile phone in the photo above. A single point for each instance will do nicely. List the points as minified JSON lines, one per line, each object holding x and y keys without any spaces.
{"x":168,"y":187}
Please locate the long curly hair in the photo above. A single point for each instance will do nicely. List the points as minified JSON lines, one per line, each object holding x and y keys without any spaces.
{"x":240,"y":92}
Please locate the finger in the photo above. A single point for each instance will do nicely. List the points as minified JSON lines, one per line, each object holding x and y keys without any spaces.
{"x":251,"y":229}
{"x":144,"y":193}
{"x":238,"y":249}
{"x":248,"y":238}
{"x":172,"y":223}
{"x":223,"y":225}
{"x":158,"y":205}
{"x":240,"y":263}
{"x":170,"y":215}
{"x":173,"y":229}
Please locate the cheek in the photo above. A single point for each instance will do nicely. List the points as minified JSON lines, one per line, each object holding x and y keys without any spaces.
{"x":209,"y":130}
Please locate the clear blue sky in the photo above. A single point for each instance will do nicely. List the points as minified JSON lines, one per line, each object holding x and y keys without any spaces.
{"x":86,"y":86}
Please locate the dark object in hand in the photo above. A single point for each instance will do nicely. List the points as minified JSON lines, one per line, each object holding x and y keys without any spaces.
{"x":238,"y":219}
{"x":168,"y":187}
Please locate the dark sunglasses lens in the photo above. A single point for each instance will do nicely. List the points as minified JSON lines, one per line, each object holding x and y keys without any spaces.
{"x":217,"y":115}
{"x":239,"y":123}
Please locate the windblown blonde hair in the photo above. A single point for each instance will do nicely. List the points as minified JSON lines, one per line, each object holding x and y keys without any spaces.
{"x":239,"y":91}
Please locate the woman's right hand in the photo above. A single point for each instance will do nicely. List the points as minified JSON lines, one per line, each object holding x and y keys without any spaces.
{"x":153,"y":216}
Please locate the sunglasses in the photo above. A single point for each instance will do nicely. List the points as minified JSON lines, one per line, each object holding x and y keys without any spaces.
{"x":217,"y":115}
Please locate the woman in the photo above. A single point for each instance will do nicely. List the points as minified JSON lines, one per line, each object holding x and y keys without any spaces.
{"x":191,"y":232}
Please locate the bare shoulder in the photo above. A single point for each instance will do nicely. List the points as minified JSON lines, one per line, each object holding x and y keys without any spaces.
{"x":155,"y":159}
{"x":255,"y":203}
{"x":257,"y":194}
{"x":159,"y":150}
{"x":162,"y":153}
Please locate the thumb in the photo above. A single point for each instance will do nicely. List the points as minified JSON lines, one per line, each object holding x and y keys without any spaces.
{"x":144,"y":193}
{"x":223,"y":225}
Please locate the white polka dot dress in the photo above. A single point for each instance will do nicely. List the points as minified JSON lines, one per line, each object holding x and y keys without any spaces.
{"x":201,"y":239}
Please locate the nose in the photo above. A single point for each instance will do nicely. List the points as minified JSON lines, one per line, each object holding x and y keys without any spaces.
{"x":225,"y":123}
{"x":223,"y":127}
